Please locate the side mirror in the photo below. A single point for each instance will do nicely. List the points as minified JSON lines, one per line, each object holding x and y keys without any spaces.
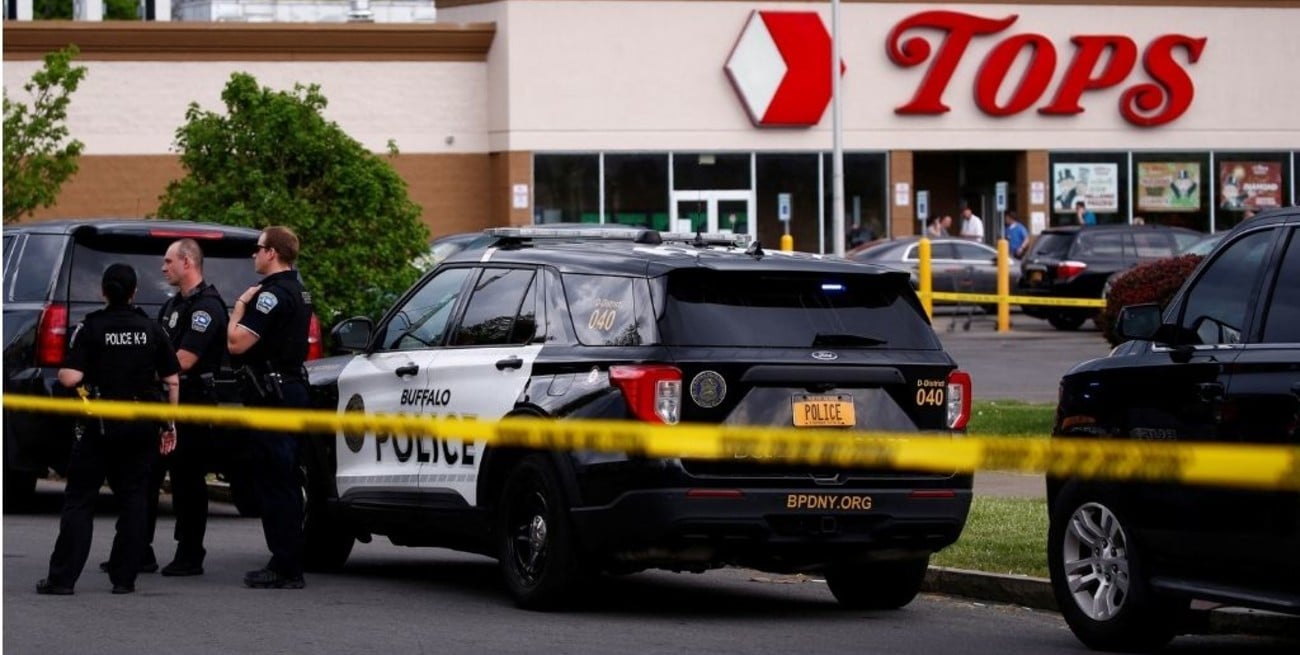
{"x":1139,"y":321}
{"x":352,"y":335}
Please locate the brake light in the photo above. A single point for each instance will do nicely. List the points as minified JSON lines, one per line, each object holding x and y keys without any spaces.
{"x":1068,"y":270}
{"x":52,"y":335}
{"x":185,"y":234}
{"x":653,"y":391}
{"x":959,"y":396}
{"x":315,"y":349}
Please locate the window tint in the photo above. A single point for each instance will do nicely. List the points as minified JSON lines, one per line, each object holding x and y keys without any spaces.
{"x":605,"y":311}
{"x":1153,"y":245}
{"x":1282,"y":322}
{"x":973,"y":253}
{"x":422,"y":320}
{"x":1053,"y":244}
{"x":763,"y":310}
{"x":1217,"y":303}
{"x":1100,"y":244}
{"x":493,"y":309}
{"x":30,"y":268}
{"x":226,"y":265}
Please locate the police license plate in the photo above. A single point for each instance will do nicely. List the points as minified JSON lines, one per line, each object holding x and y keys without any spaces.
{"x":823,"y":411}
{"x":1035,"y":276}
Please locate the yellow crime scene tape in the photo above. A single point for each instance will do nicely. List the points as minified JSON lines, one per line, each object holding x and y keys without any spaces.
{"x":1248,"y":466}
{"x":993,"y":298}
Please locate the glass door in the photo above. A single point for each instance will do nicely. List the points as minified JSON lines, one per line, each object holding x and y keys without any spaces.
{"x":727,"y":212}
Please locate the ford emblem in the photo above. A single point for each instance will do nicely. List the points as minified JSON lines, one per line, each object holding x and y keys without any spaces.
{"x":825,"y":355}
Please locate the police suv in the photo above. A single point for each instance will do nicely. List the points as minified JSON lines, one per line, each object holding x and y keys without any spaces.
{"x":639,"y":325}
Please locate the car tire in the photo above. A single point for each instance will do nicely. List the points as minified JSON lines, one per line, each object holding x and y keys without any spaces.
{"x":536,"y":547}
{"x":1098,"y":577}
{"x":882,"y":585}
{"x":327,"y":543}
{"x":1067,"y":322}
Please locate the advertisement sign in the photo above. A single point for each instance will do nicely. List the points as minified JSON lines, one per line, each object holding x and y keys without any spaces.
{"x":1168,"y":186}
{"x":1250,"y":185}
{"x":1097,"y":185}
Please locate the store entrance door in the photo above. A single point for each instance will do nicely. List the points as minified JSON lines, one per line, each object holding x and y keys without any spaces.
{"x":727,"y":212}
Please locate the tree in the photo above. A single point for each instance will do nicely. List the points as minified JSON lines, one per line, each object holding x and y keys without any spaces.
{"x":274,"y":159}
{"x":62,"y":9}
{"x":1155,"y":281}
{"x":38,"y":158}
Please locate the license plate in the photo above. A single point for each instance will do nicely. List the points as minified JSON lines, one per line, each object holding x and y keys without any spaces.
{"x":828,"y":502}
{"x":823,"y":411}
{"x":1035,"y":276}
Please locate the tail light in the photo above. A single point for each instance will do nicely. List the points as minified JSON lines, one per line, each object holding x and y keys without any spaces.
{"x":959,"y":395}
{"x":1068,"y":270}
{"x":315,"y":349}
{"x":653,"y":391}
{"x":52,"y":335}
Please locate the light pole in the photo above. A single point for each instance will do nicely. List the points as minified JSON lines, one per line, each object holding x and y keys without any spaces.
{"x":837,"y":147}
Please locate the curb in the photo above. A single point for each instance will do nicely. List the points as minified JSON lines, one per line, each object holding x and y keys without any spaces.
{"x":1036,"y":593}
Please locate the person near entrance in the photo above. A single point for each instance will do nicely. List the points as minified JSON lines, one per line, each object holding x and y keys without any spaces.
{"x":972,"y":226}
{"x":1017,"y":235}
{"x":1083,"y":214}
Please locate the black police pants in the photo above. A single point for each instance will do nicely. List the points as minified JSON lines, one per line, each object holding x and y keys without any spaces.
{"x":189,"y":465}
{"x":275,"y":479}
{"x":123,"y":454}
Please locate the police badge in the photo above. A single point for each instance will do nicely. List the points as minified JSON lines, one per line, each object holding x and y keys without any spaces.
{"x":708,"y":389}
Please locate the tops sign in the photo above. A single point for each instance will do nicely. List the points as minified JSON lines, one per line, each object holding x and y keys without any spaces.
{"x":1145,"y":104}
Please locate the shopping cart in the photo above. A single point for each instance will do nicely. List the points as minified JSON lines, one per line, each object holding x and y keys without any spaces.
{"x":963,"y":281}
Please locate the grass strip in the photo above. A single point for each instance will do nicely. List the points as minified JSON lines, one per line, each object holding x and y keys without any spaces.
{"x":1002,"y":535}
{"x":1011,"y":417}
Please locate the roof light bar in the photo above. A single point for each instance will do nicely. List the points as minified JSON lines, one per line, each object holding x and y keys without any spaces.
{"x":613,"y":234}
{"x":708,"y":238}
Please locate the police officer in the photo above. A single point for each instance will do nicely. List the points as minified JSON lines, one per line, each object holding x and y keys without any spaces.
{"x":195,"y":321}
{"x":268,"y":336}
{"x":118,"y":353}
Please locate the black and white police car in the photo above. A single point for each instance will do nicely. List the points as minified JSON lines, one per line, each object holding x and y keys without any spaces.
{"x":640,"y":325}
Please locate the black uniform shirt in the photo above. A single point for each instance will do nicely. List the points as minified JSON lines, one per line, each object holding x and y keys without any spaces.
{"x":122,"y":353}
{"x":197,"y":322}
{"x":279,"y":316}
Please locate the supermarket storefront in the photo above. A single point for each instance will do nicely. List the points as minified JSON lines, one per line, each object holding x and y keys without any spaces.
{"x":717,"y":116}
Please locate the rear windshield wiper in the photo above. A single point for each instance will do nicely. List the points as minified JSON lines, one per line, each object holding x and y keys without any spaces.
{"x":831,"y":339}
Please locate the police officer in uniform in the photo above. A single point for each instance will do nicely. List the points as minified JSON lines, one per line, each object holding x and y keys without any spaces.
{"x":118,"y":353}
{"x":195,"y":321}
{"x":268,"y":337}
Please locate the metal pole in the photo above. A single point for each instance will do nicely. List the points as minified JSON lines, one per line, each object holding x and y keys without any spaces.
{"x":837,"y":156}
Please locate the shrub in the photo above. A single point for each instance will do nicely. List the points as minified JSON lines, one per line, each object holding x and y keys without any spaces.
{"x":1155,"y":281}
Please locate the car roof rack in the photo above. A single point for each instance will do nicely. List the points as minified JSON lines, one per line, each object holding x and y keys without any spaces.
{"x":641,"y":235}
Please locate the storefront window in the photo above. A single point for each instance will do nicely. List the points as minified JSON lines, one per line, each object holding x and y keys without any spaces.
{"x":1250,"y":181}
{"x":636,"y":190}
{"x":864,"y":200}
{"x":567,"y":188}
{"x":695,"y":171}
{"x":795,"y":175}
{"x":1172,"y":188}
{"x":1099,"y":180}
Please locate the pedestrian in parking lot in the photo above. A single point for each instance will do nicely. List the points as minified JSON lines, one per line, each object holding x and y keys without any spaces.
{"x":268,"y":338}
{"x":116,"y":353}
{"x":1083,"y":215}
{"x":195,"y":320}
{"x":1017,"y":235}
{"x":972,"y":226}
{"x":933,"y":228}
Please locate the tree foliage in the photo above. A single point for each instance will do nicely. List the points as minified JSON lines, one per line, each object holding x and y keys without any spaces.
{"x":62,"y":9}
{"x":38,"y":156}
{"x":1155,"y":281}
{"x":271,"y":159}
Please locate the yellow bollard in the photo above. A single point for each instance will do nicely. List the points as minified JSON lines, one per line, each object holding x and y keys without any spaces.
{"x":787,"y":243}
{"x":1004,"y":286}
{"x":924,"y":275}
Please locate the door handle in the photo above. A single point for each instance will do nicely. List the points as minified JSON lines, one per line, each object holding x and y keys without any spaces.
{"x":509,"y":362}
{"x":1209,"y":391}
{"x":409,"y":369}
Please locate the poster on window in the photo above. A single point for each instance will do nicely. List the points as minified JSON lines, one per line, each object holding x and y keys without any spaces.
{"x":1097,"y":185}
{"x":1250,"y":185}
{"x":1168,"y":186}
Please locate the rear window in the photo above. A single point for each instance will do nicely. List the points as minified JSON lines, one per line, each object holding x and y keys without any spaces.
{"x":1055,"y":245}
{"x":226,"y":264}
{"x":792,"y":310}
{"x":30,"y":264}
{"x":1101,"y":244}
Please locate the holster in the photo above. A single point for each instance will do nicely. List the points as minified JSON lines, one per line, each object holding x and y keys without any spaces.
{"x":260,"y":387}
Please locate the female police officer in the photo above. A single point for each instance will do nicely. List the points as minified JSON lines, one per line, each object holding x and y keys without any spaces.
{"x":118,"y":353}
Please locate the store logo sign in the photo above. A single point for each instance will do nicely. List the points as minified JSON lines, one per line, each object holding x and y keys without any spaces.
{"x":780,"y":69}
{"x":1099,"y":61}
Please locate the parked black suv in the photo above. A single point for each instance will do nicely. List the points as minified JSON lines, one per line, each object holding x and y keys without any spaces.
{"x":636,"y":325}
{"x":52,"y":274}
{"x":1222,"y":365}
{"x":1076,"y":261}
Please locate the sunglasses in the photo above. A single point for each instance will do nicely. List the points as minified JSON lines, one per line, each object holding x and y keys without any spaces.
{"x":264,"y":247}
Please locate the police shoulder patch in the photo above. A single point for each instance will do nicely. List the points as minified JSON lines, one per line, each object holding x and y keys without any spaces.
{"x":266,"y":301}
{"x":200,"y":320}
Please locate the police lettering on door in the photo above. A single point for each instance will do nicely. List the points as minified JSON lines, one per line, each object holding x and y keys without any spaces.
{"x":423,"y":448}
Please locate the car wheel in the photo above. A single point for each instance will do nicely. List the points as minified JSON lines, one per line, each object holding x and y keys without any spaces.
{"x":327,"y":542}
{"x":1067,"y":322}
{"x":1098,"y":579}
{"x":884,"y":585}
{"x":535,"y":539}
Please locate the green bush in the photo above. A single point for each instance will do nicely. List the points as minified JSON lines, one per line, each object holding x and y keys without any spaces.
{"x":1155,"y":281}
